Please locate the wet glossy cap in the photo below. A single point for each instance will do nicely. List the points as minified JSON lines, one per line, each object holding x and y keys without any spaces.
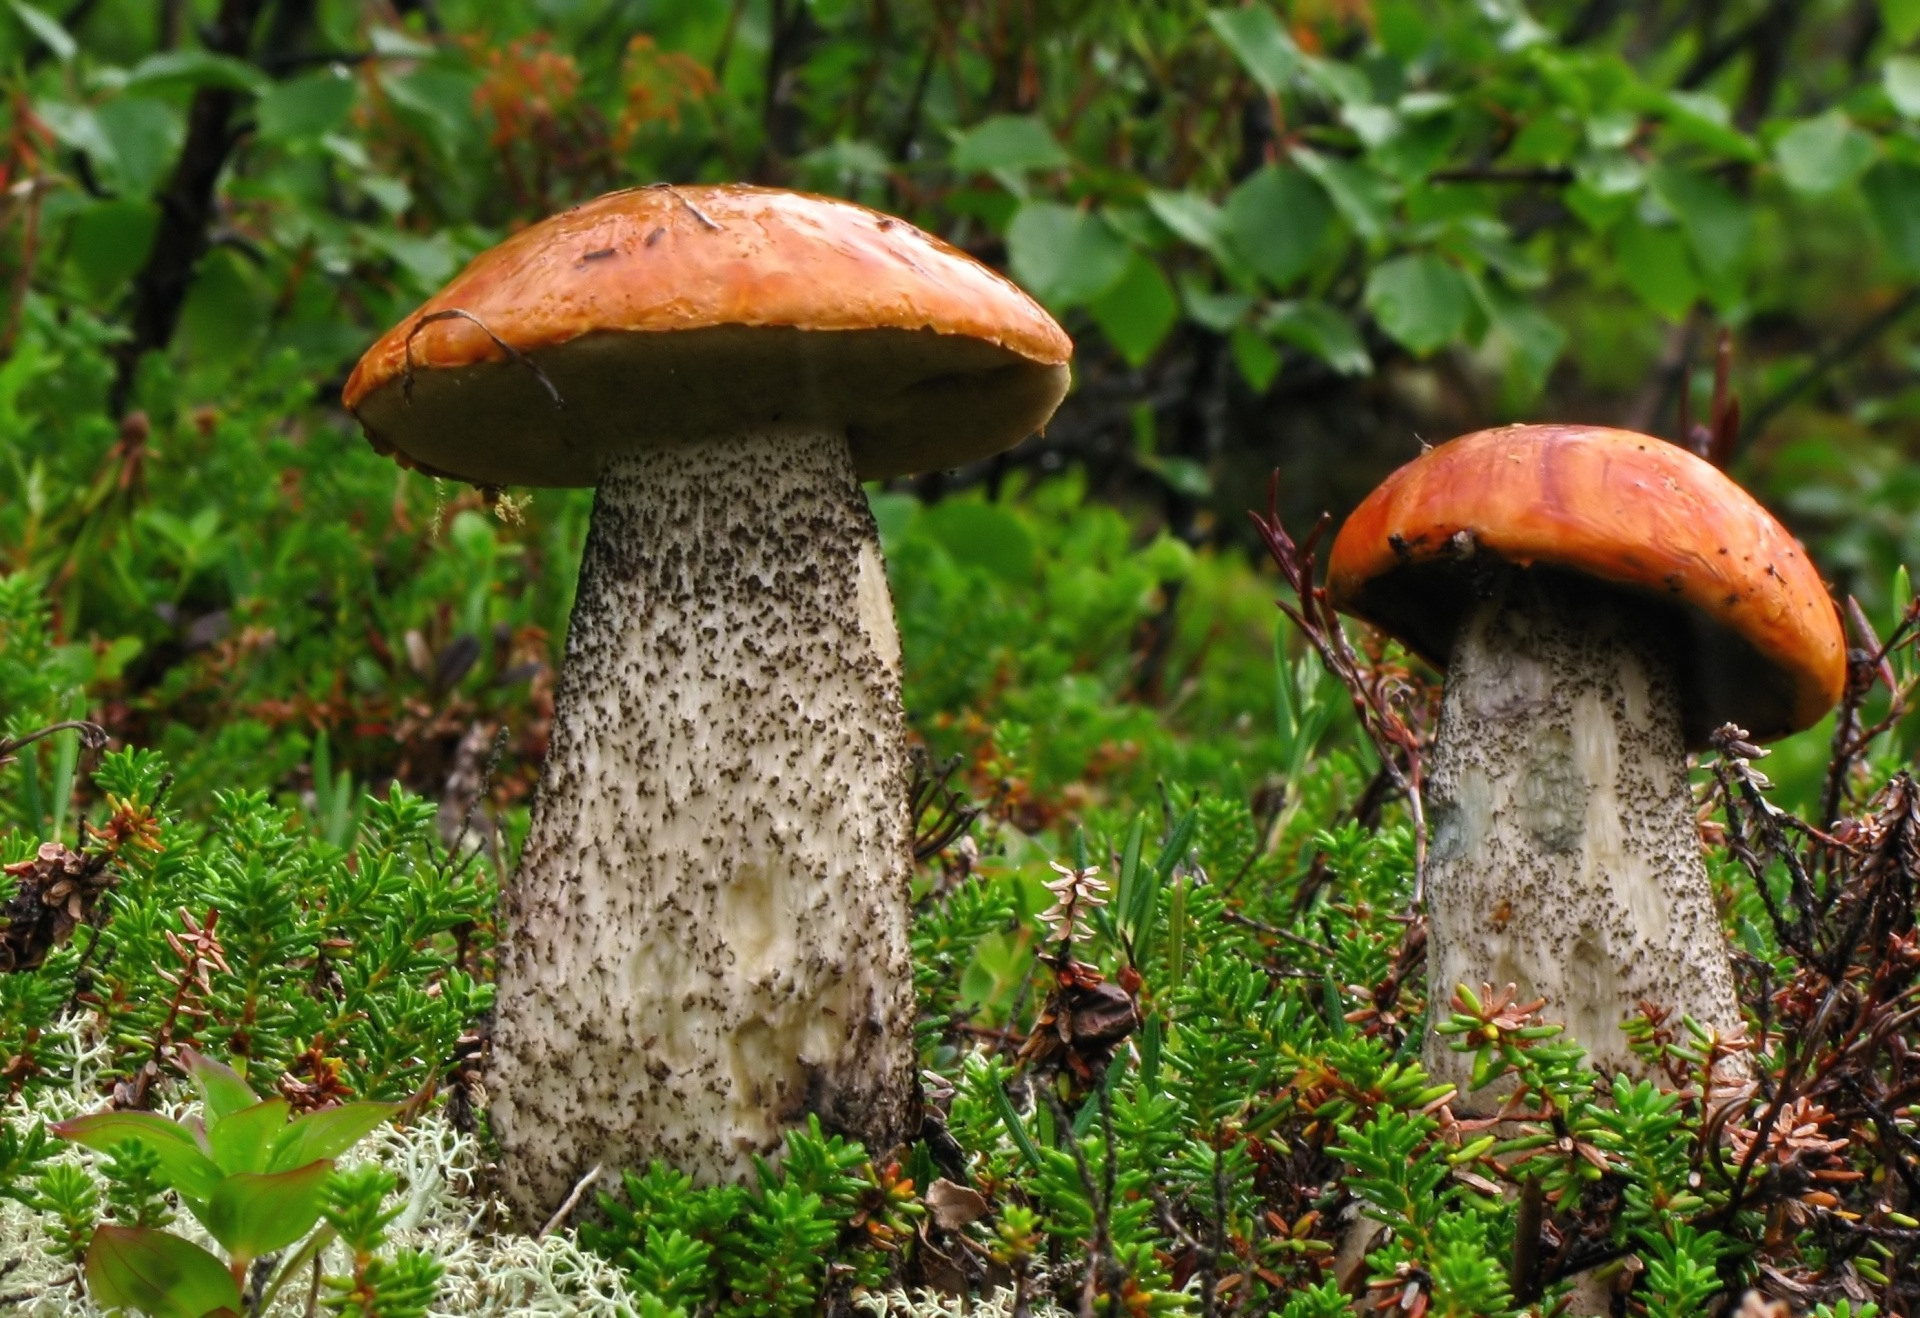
{"x":660,"y":315}
{"x":1761,"y":641}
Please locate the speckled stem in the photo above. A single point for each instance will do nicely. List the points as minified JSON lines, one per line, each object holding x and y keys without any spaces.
{"x":707,"y":933}
{"x":1565,"y":857}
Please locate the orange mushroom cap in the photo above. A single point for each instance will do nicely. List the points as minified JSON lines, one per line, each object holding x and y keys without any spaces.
{"x":657,"y":315}
{"x":1763,"y":646}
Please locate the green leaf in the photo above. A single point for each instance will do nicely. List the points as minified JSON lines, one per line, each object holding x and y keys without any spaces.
{"x":1818,"y":156}
{"x":1064,"y":256}
{"x":1420,"y":299}
{"x":253,"y":1215}
{"x":1137,"y":313}
{"x":1323,"y":331}
{"x":1892,"y":192}
{"x":1703,"y":119}
{"x":143,"y":136}
{"x":1653,"y":261}
{"x":221,"y":1087}
{"x":1192,"y":217}
{"x":1264,"y":48}
{"x":1008,"y":141}
{"x":326,"y":1134}
{"x":48,"y":29}
{"x":1363,"y":198}
{"x":1218,"y":311}
{"x":1258,"y":360}
{"x":243,"y":1141}
{"x":183,"y":1164}
{"x":1277,"y":220}
{"x":1134,"y":899}
{"x":1901,"y":78}
{"x":158,"y":1274}
{"x":1535,"y":340}
{"x":109,"y":242}
{"x":197,"y":68}
{"x":306,"y":108}
{"x":1902,"y":18}
{"x":1719,"y":227}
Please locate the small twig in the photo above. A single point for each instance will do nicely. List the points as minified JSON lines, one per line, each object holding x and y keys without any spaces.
{"x":567,"y":1206}
{"x":684,"y":200}
{"x":513,"y":353}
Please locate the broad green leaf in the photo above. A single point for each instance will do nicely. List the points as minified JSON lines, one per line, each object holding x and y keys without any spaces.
{"x":1339,"y":82}
{"x":1612,"y":129}
{"x":1902,"y":18}
{"x":197,"y":68}
{"x":183,"y":1164}
{"x":1818,"y":156}
{"x":1892,"y":191}
{"x":985,"y":535}
{"x":1264,"y":48}
{"x":48,"y":29}
{"x":1419,"y":299}
{"x":143,"y":136}
{"x":1258,"y":360}
{"x":1901,"y":78}
{"x":1653,"y":262}
{"x":1703,"y":119}
{"x":1534,"y":340}
{"x":158,"y":1274}
{"x":253,"y":1215}
{"x":1191,"y":216}
{"x":429,"y":258}
{"x":109,"y":242}
{"x":1137,"y":313}
{"x":1008,"y":141}
{"x":326,"y":1134}
{"x":1219,"y":311}
{"x":1611,"y":173}
{"x":243,"y":1141}
{"x":1277,"y":220}
{"x":1322,"y":330}
{"x":222,"y":1089}
{"x":1363,"y":198}
{"x":1719,"y":227}
{"x":306,"y":108}
{"x":1064,"y":256}
{"x":437,"y":101}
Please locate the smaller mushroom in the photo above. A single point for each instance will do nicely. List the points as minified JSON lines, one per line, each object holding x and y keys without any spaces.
{"x":1601,"y":601}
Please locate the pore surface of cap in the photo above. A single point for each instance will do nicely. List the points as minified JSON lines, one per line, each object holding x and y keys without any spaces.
{"x":1758,"y":638}
{"x":665,"y":315}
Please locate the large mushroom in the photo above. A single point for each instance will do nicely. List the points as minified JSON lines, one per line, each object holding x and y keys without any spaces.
{"x":1601,"y":601}
{"x":706,"y":936}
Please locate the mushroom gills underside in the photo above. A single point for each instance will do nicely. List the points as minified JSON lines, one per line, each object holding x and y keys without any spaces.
{"x":1564,"y":854}
{"x":707,"y":932}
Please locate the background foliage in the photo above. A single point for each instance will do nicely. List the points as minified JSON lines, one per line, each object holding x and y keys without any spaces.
{"x":1303,"y":234}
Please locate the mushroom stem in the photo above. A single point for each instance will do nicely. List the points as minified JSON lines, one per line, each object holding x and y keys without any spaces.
{"x":707,"y":932}
{"x":1565,"y":856}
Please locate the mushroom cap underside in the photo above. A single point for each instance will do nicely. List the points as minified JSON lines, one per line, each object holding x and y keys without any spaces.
{"x":663,"y":315}
{"x":1758,"y":637}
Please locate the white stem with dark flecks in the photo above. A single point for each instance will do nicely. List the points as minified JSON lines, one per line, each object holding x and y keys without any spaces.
{"x":707,"y":933}
{"x":1565,"y":857}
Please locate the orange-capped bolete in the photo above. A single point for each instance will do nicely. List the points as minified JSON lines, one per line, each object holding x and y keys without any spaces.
{"x":707,"y":933}
{"x":1600,"y":601}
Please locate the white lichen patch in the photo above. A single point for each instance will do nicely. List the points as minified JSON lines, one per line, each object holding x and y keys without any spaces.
{"x":1565,"y":856}
{"x":488,"y":1271}
{"x":708,"y":929}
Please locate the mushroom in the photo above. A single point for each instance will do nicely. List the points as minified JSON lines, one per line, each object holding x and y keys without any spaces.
{"x":1601,"y":602}
{"x":706,"y":935}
